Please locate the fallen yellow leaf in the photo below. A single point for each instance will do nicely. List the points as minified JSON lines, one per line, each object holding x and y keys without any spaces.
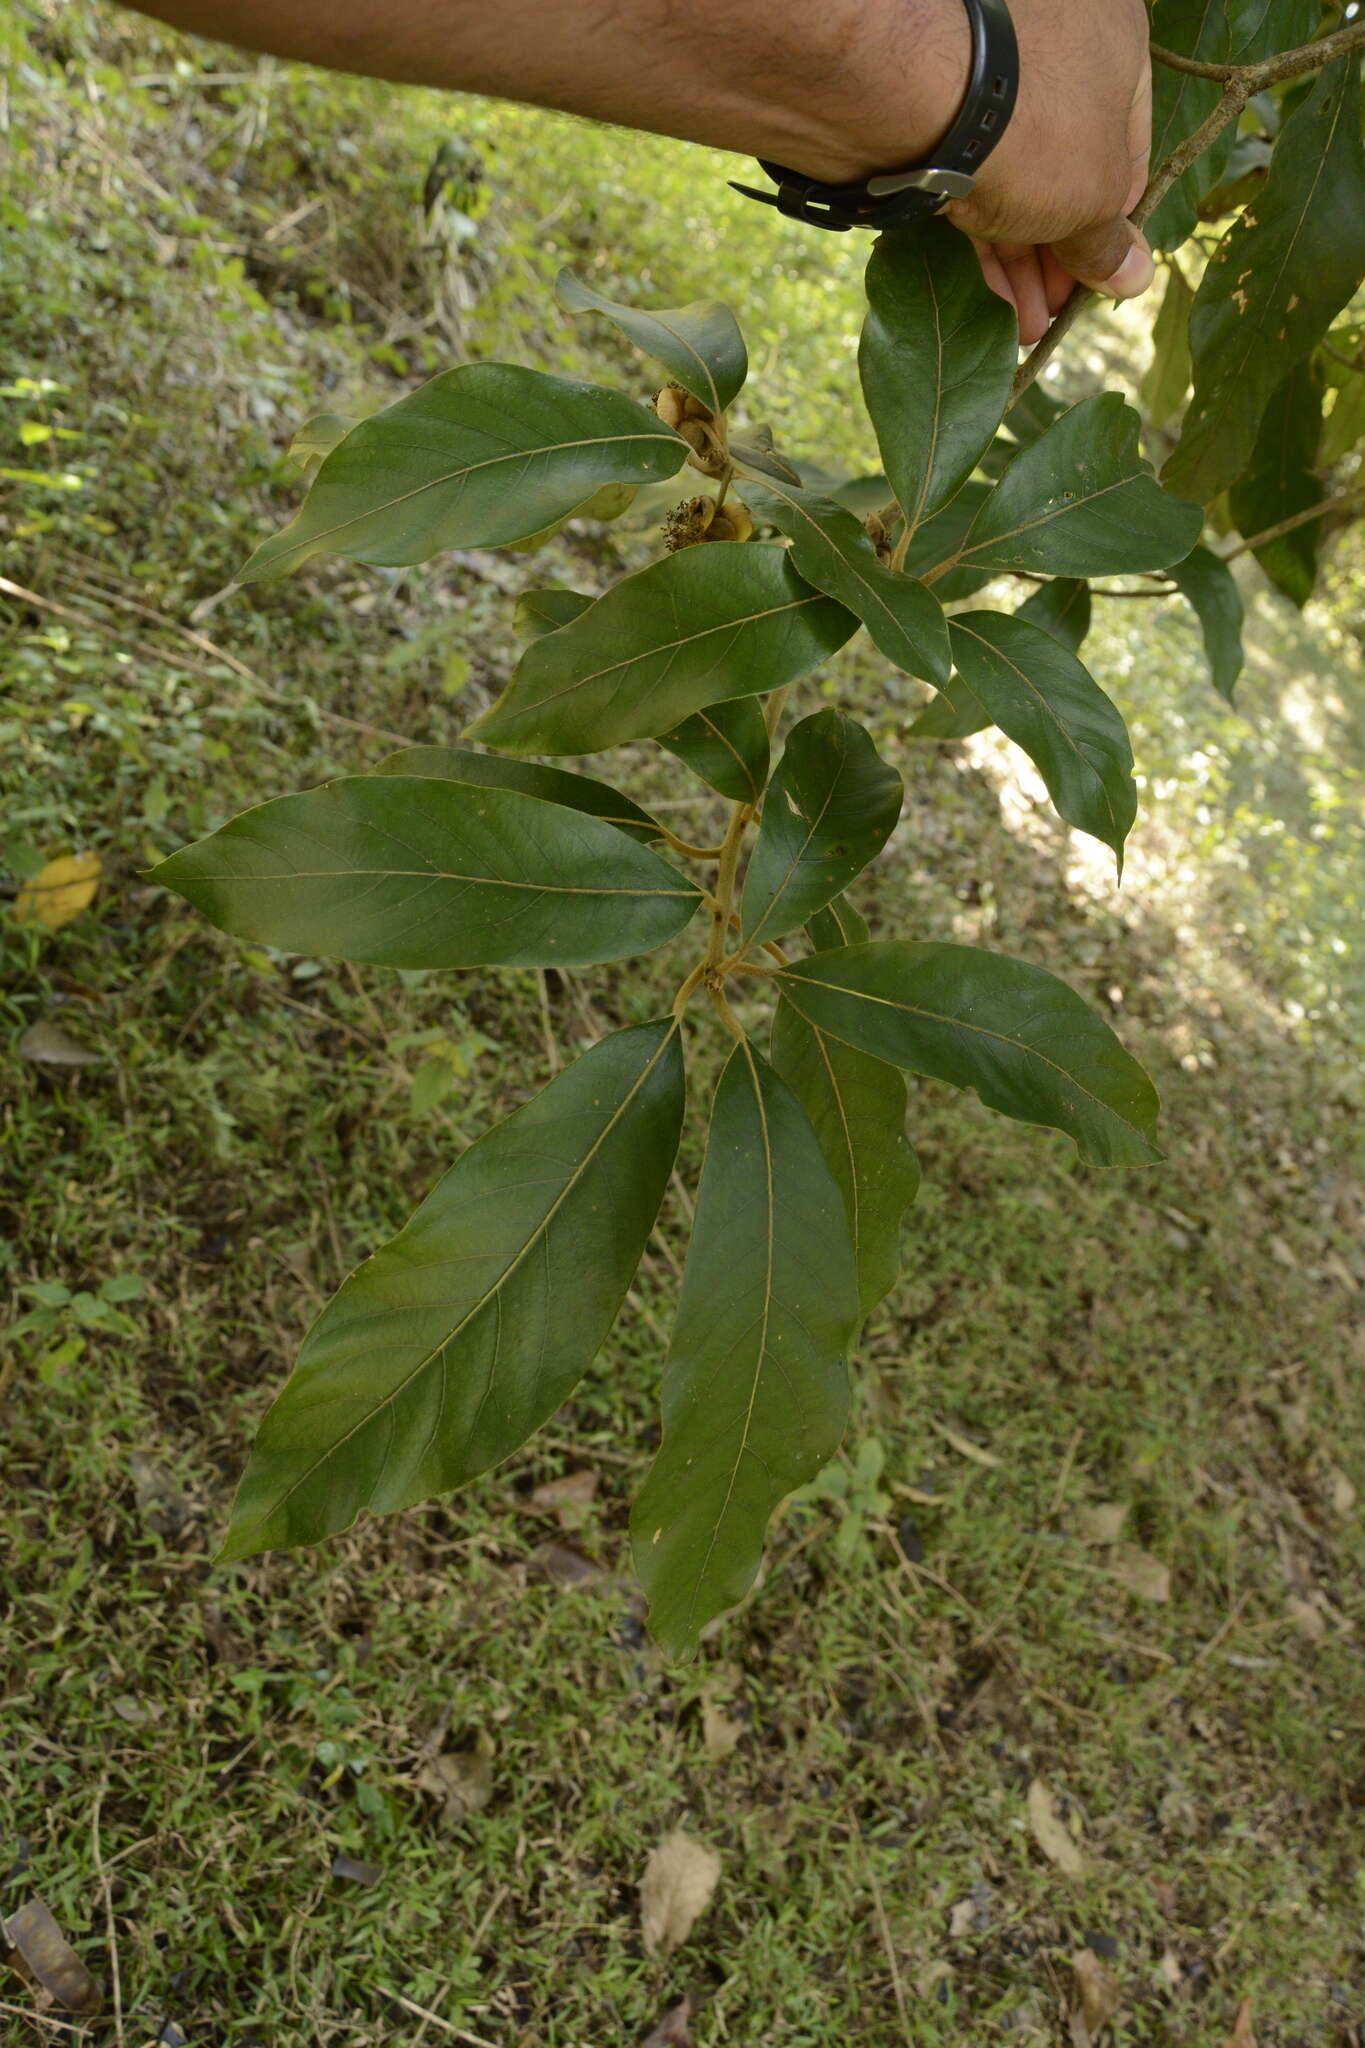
{"x":59,"y":891}
{"x":675,"y":1891}
{"x":1051,"y":1832}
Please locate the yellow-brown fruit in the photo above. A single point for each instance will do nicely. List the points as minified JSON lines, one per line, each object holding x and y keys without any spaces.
{"x":731,"y":522}
{"x":688,"y":522}
{"x":671,"y":405}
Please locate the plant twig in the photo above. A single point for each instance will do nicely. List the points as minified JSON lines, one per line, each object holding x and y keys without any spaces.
{"x":111,"y":1936}
{"x":1351,"y":500}
{"x":1240,"y":83}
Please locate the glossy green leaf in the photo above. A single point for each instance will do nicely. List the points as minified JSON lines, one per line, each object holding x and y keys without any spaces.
{"x":1167,"y":378}
{"x":545,"y":611}
{"x":1049,"y":704}
{"x":953,"y":713}
{"x":533,"y":778}
{"x":699,"y":345}
{"x":1209,"y":586}
{"x":1027,"y":1044}
{"x":1080,"y":501}
{"x":1281,"y":482}
{"x":830,"y":809}
{"x":937,"y":355}
{"x":755,"y":1392}
{"x":463,"y":1334}
{"x":482,"y":455}
{"x":856,"y":1105}
{"x":406,"y":872}
{"x":1274,"y":282}
{"x":1062,"y":608}
{"x":838,"y":924}
{"x":726,"y":745}
{"x":830,"y":549}
{"x":725,"y":620}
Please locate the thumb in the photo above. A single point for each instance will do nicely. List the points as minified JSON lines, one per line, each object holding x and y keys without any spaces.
{"x":1112,"y":258}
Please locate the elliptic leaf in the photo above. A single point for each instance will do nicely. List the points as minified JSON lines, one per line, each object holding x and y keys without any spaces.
{"x":831,"y":550}
{"x":699,"y":345}
{"x":482,"y":455}
{"x":533,"y":778}
{"x":1026,"y":1043}
{"x":403,"y":871}
{"x":830,"y":809}
{"x":726,"y":745}
{"x":1281,"y":482}
{"x":1209,"y":585}
{"x":1049,"y":704}
{"x":755,"y":1392}
{"x":1062,"y":608}
{"x":727,"y":619}
{"x":463,"y":1334}
{"x":544,"y":611}
{"x":756,"y":451}
{"x":1274,"y":282}
{"x":1080,"y":501}
{"x":856,"y":1105}
{"x":937,"y":354}
{"x":838,"y":924}
{"x":952,"y":714}
{"x":1167,"y":378}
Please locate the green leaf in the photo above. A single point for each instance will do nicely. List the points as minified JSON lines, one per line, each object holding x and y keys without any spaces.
{"x":1033,"y":412}
{"x":1042,"y":698}
{"x":1344,"y":431}
{"x":482,"y":455}
{"x":726,"y":745}
{"x":533,"y":778}
{"x":755,"y":1392}
{"x":1209,"y":586}
{"x":756,"y":451}
{"x":1274,"y":282}
{"x":699,"y":345}
{"x":940,"y":540}
{"x":1080,"y":501}
{"x":856,"y":1105}
{"x":606,"y":503}
{"x":1061,"y":608}
{"x":727,"y":619}
{"x":1026,"y":1043}
{"x":464,"y":1333}
{"x":937,"y":354}
{"x":831,"y":550}
{"x":829,"y":810}
{"x":407,"y":872}
{"x":1281,"y":482}
{"x":838,"y":924}
{"x":1167,"y":378}
{"x":317,"y":437}
{"x":544,"y":611}
{"x":953,"y":714}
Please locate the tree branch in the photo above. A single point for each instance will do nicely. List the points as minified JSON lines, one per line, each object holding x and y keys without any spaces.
{"x":1347,"y":499}
{"x":1239,"y":83}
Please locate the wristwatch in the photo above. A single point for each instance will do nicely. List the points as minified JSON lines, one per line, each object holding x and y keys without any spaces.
{"x":896,"y":198}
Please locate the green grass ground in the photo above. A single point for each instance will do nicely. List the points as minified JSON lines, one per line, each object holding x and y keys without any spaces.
{"x":1114,"y":1545}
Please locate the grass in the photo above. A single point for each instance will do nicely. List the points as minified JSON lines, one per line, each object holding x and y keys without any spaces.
{"x":187,"y":1750}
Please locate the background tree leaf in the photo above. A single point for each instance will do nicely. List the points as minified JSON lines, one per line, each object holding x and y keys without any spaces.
{"x":533,"y":778}
{"x":831,"y":550}
{"x":939,"y":540}
{"x":1061,"y":608}
{"x":830,"y":809}
{"x":482,"y":455}
{"x":725,"y":620}
{"x":1344,"y":430}
{"x":1281,"y":481}
{"x":755,"y":1392}
{"x":402,"y":871}
{"x":545,"y":611}
{"x":938,"y":351}
{"x":1208,"y":584}
{"x":1080,"y":501}
{"x":953,"y":713}
{"x":1274,"y":282}
{"x":1049,"y":704}
{"x":856,"y":1105}
{"x":726,"y":745}
{"x":699,"y":345}
{"x":1167,"y":377}
{"x":838,"y":924}
{"x":463,"y":1334}
{"x":1027,"y":1044}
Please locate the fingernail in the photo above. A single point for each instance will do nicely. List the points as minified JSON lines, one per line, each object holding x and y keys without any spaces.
{"x":1133,"y":275}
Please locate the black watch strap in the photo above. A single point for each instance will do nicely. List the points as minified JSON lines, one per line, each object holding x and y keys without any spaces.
{"x":895,"y":198}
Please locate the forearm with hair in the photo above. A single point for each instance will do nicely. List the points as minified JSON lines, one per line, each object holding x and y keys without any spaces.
{"x":833,"y":87}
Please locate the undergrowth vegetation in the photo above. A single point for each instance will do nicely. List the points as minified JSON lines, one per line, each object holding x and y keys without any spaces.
{"x":1098,"y":1522}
